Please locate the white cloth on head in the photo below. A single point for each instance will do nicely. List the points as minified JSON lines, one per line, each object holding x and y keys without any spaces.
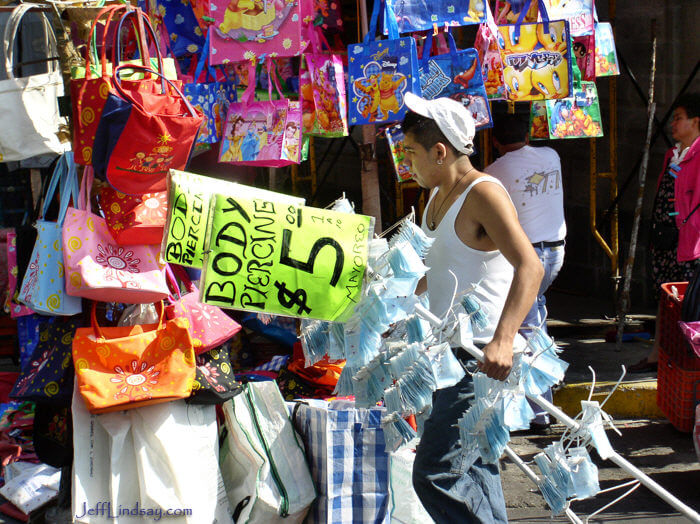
{"x":532,"y":177}
{"x":471,"y":266}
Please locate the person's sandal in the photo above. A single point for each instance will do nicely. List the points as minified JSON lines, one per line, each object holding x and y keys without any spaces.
{"x":643,"y":366}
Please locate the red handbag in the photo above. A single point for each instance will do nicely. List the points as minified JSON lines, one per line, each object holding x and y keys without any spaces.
{"x":90,"y":92}
{"x":134,"y":219}
{"x":142,"y":135}
{"x":209,"y":326}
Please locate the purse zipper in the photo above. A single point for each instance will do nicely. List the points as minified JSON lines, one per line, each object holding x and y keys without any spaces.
{"x":284,"y":508}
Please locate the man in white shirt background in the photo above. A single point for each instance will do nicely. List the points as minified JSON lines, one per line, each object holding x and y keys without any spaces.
{"x":532,"y":176}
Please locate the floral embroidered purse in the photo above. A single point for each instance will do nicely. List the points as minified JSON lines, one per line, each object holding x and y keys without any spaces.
{"x":98,"y":268}
{"x":209,"y":325}
{"x":133,"y":366}
{"x":134,"y":219}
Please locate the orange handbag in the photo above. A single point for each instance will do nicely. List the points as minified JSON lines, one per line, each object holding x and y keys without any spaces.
{"x":132,"y":366}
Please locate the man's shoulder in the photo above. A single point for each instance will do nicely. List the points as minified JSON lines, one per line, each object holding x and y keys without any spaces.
{"x":544,"y":151}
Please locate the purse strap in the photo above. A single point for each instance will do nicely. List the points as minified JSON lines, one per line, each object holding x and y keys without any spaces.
{"x":66,"y":173}
{"x":97,"y":330}
{"x":110,"y":11}
{"x":140,"y":24}
{"x":126,"y":96}
{"x":543,"y":15}
{"x":11,"y":34}
{"x":86,"y":188}
{"x":204,"y":58}
{"x":272,"y":77}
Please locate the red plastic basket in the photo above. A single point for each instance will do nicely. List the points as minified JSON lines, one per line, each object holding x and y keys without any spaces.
{"x":677,"y":392}
{"x":671,"y":337}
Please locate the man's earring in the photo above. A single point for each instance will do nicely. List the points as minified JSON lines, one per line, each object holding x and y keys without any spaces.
{"x":439,"y":161}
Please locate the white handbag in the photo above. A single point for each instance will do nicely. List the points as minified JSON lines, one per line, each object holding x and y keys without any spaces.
{"x":30,"y":118}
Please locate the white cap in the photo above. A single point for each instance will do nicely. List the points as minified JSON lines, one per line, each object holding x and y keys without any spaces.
{"x":454,"y":120}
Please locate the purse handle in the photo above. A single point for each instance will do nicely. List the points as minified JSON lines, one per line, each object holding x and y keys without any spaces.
{"x":65,"y":172}
{"x":204,"y":58}
{"x":523,"y":12}
{"x":126,"y":96}
{"x":170,"y":272}
{"x":272,"y":77}
{"x":110,"y":11}
{"x":97,"y":330}
{"x":86,"y":188}
{"x":140,"y":23}
{"x":10,"y":35}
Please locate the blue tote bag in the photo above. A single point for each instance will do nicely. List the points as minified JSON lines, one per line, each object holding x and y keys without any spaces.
{"x":211,"y":97}
{"x":381,"y":72}
{"x":422,"y":15}
{"x":457,"y":75}
{"x":43,"y":288}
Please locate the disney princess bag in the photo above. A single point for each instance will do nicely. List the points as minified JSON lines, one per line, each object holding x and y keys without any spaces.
{"x":262,"y":133}
{"x":381,"y":72}
{"x":536,"y":58}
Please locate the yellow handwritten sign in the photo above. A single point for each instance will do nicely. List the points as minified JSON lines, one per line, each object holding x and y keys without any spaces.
{"x":266,"y":255}
{"x":189,"y":197}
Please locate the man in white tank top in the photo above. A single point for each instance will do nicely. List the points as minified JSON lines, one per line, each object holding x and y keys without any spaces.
{"x":532,"y":176}
{"x":479,"y":239}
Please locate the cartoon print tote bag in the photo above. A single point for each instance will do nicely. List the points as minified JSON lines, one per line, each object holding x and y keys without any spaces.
{"x":380,"y":73}
{"x":97,"y":268}
{"x":457,"y":75}
{"x":536,"y":59}
{"x":133,"y":366}
{"x":419,"y":15}
{"x":43,"y":288}
{"x":247,"y":29}
{"x":265,"y":133}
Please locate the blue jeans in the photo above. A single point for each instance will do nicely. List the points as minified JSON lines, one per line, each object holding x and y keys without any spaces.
{"x":552,"y":259}
{"x":452,"y":484}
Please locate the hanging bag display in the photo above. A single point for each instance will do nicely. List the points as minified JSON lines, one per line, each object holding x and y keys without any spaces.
{"x":536,"y":59}
{"x":30,"y":119}
{"x":419,"y":15}
{"x":134,"y":219}
{"x":579,"y":14}
{"x":97,"y":268}
{"x":381,"y":72}
{"x":127,"y":367}
{"x":48,"y":376}
{"x":577,"y":116}
{"x":43,"y":288}
{"x":251,"y":29}
{"x":211,"y":97}
{"x":209,"y":326}
{"x":15,"y":308}
{"x":264,"y":133}
{"x":141,"y":135}
{"x":262,"y":459}
{"x":90,"y":85}
{"x":178,"y":23}
{"x":322,"y":89}
{"x":486,"y":44}
{"x":456,"y":75}
{"x":214,"y":381}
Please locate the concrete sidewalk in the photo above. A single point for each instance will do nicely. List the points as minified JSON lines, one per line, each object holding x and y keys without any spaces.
{"x":579,"y":326}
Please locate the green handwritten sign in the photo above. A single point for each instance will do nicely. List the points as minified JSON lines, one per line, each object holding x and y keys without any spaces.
{"x":189,"y":198}
{"x":266,"y":255}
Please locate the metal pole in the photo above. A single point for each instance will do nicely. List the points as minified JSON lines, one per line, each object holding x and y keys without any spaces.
{"x":629,"y":264}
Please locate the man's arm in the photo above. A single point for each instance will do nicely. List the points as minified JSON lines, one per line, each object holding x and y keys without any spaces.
{"x":491,"y":207}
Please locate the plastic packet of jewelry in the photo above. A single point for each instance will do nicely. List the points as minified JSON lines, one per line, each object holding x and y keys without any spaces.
{"x":477,"y":314}
{"x":336,"y":338}
{"x":404,"y":261}
{"x":414,"y":235}
{"x":542,"y":371}
{"x":482,"y":427}
{"x":402,"y":360}
{"x":584,"y":473}
{"x":315,"y":340}
{"x":592,"y":420}
{"x":396,"y":431}
{"x":517,"y":412}
{"x":361,"y":344}
{"x":446,"y":368}
{"x":343,"y":205}
{"x":345,"y":386}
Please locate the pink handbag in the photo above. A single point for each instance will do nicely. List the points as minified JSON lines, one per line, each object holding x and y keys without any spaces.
{"x":96,"y":267}
{"x":209,"y":326}
{"x":15,"y":308}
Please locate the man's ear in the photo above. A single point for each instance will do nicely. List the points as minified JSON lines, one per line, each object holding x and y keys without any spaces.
{"x":441,"y":152}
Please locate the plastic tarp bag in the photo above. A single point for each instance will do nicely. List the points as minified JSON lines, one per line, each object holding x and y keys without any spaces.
{"x":139,"y":464}
{"x":33,"y":487}
{"x":404,"y":506}
{"x":262,"y":459}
